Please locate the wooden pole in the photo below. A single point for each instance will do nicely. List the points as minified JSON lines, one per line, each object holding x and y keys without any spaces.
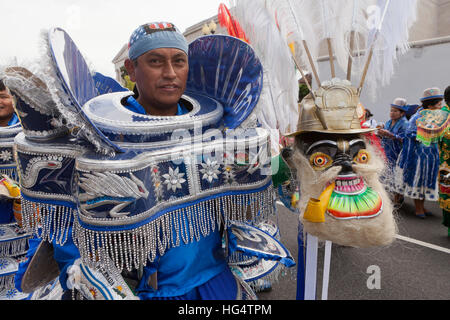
{"x":330,"y":53}
{"x":311,"y":62}
{"x":303,"y":75}
{"x":366,"y":68}
{"x":369,"y":58}
{"x":318,"y":111}
{"x":350,"y":58}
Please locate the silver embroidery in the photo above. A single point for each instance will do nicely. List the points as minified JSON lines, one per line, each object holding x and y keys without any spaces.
{"x":37,"y":164}
{"x":210,"y":170}
{"x":109,"y":188}
{"x":174,"y":179}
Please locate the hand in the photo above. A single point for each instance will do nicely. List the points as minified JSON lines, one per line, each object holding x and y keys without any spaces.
{"x":384,"y":133}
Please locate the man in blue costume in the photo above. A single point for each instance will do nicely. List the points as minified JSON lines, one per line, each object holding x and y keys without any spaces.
{"x":13,"y":241}
{"x":7,"y":115}
{"x":7,"y":118}
{"x":168,"y":245}
{"x":64,"y":255}
{"x":158,"y":64}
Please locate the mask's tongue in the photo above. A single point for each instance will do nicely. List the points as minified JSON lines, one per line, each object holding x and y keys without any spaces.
{"x":364,"y":204}
{"x":367,"y":204}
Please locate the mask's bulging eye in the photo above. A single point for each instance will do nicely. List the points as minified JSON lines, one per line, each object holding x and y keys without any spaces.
{"x":362,"y":157}
{"x":320,"y":161}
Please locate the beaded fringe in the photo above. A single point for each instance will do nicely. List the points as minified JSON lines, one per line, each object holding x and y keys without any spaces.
{"x":133,"y":248}
{"x":10,"y":172}
{"x":47,"y":221}
{"x":14,"y":247}
{"x":258,"y":285}
{"x":273,"y":277}
{"x":7,"y":282}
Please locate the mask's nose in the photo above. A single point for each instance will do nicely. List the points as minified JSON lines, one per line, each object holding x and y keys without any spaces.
{"x":345,"y":161}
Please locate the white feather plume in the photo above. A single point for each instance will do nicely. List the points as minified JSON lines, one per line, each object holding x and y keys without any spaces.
{"x":313,"y":21}
{"x":297,"y":22}
{"x":392,"y":39}
{"x":278,"y":105}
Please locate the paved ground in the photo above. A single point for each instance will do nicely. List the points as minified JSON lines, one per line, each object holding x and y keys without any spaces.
{"x":408,"y":270}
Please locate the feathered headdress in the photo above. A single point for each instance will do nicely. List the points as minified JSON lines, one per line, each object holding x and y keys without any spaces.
{"x":226,"y":20}
{"x":362,"y":37}
{"x":278,"y":105}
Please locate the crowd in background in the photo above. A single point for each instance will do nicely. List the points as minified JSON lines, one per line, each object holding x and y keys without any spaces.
{"x":416,"y":156}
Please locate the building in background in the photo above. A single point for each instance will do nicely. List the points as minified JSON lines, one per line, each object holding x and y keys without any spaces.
{"x":425,"y":65}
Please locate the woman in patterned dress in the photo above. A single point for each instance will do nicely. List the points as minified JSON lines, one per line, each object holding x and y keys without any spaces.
{"x":418,"y":163}
{"x":392,"y":135}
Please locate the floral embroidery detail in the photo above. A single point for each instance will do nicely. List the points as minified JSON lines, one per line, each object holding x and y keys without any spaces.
{"x":228,"y":175}
{"x":157,"y":183}
{"x":210,"y":170}
{"x":5,"y":155}
{"x":3,"y":264}
{"x":174,"y":179}
{"x":93,"y":292}
{"x":11,"y":293}
{"x":118,"y":290}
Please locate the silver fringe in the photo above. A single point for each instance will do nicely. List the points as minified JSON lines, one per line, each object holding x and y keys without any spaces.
{"x":14,"y":247}
{"x":7,"y":282}
{"x":133,"y":248}
{"x":49,"y":222}
{"x":10,"y":172}
{"x":273,"y":277}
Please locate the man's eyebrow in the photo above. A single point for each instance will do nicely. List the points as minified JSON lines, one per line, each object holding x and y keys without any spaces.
{"x":179,"y":55}
{"x":162,"y":56}
{"x":155,"y":54}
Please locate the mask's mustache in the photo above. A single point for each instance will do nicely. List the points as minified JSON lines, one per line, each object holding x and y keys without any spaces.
{"x":367,"y":170}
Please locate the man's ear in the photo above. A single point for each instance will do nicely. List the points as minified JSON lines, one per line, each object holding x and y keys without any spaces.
{"x":130,"y":67}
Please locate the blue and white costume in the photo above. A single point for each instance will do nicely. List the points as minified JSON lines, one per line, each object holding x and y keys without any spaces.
{"x":393,"y":147}
{"x":417,"y":166}
{"x":13,"y":239}
{"x":153,"y":217}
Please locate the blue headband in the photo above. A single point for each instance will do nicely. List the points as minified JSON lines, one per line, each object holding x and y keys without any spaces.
{"x":155,"y":35}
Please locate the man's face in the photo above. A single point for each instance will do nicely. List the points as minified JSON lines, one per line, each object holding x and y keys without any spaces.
{"x":6,"y":105}
{"x":160,"y":76}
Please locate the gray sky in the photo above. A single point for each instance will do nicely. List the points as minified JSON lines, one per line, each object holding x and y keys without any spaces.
{"x":99,"y":28}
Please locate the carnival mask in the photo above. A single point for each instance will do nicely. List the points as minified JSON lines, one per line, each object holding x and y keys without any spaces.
{"x":341,"y":197}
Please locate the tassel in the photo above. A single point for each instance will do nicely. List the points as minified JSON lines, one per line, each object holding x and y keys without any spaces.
{"x":7,"y":282}
{"x":14,"y":247}
{"x":49,"y":222}
{"x":132,"y":248}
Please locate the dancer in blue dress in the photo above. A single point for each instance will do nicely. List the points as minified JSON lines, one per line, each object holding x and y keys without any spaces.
{"x":418,"y":163}
{"x":392,"y":136}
